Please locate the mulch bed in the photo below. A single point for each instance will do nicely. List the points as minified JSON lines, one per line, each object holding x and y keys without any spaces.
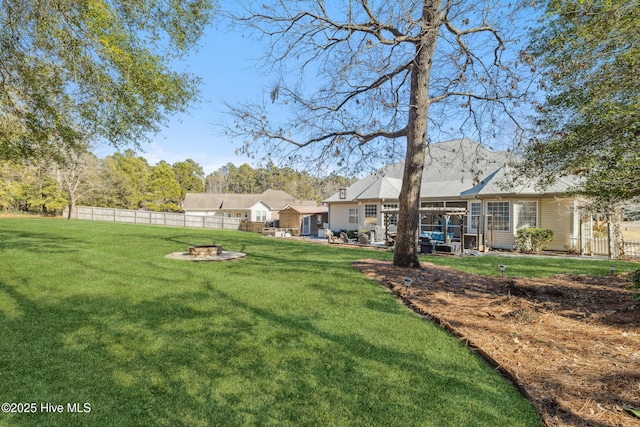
{"x":570,"y":343}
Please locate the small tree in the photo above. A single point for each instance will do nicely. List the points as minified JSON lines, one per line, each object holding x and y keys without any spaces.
{"x":635,"y":279}
{"x":69,"y":69}
{"x":587,"y":125}
{"x":163,"y":190}
{"x":190,"y":176}
{"x":76,"y":171}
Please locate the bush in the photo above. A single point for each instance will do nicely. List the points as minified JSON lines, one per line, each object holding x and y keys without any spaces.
{"x":533,"y":239}
{"x":635,"y":279}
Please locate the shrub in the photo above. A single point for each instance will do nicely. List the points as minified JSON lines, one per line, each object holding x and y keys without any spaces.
{"x":533,"y":239}
{"x":635,"y":279}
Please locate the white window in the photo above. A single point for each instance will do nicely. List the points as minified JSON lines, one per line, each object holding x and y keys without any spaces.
{"x":371,"y":214}
{"x":261,"y":216}
{"x":526,"y":215}
{"x":353,"y":215}
{"x":475,"y":215}
{"x":499,"y":216}
{"x":393,"y":219}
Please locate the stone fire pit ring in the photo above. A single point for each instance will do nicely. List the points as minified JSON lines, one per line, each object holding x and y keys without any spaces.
{"x":206,"y":253}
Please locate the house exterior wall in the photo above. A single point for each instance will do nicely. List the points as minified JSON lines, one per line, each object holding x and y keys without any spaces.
{"x":560,"y":216}
{"x":234,"y":213}
{"x":339,"y":216}
{"x":201,"y":212}
{"x":499,"y":239}
{"x":556,"y":214}
{"x":260,"y":212}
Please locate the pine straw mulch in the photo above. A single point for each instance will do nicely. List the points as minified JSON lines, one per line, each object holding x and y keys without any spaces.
{"x":571,"y":343}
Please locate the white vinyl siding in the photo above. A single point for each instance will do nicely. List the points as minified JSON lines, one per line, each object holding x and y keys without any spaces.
{"x":560,"y":216}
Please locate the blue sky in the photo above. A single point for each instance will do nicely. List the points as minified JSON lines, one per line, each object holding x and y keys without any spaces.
{"x":229,"y":67}
{"x":226,"y":63}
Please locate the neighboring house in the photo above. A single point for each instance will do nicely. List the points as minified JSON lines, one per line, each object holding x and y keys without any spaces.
{"x":309,"y":219}
{"x":253,"y":207}
{"x":461,"y":192}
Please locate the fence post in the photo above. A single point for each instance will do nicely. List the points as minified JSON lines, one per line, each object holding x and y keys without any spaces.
{"x":580,"y":236}
{"x":609,"y":235}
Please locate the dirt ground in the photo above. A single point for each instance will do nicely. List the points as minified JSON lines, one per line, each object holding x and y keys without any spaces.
{"x":570,"y":343}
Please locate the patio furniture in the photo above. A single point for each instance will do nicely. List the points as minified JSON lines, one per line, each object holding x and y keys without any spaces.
{"x":345,"y":238}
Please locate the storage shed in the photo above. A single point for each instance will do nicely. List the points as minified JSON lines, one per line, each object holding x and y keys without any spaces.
{"x":309,"y":219}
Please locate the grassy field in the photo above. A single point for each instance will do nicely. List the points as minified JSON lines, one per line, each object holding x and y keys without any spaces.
{"x":291,"y":335}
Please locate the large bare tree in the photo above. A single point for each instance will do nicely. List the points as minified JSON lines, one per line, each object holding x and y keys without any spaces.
{"x":362,"y":79}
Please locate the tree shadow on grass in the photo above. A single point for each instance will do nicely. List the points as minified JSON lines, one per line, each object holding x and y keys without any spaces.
{"x":31,"y":241}
{"x":209,"y":357}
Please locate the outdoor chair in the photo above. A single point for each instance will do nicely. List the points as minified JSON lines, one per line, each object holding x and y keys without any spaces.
{"x":345,"y":238}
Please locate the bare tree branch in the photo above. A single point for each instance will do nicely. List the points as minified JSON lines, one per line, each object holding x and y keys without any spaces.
{"x":355,"y":77}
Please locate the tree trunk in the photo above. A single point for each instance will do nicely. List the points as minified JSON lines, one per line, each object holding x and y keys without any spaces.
{"x":406,"y":252}
{"x":72,"y":206}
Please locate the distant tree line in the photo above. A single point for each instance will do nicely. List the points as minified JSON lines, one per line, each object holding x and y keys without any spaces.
{"x":126,"y":180}
{"x":247,"y":180}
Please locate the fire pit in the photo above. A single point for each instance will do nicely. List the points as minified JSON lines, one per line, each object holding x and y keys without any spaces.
{"x":206,"y":253}
{"x":205,"y":250}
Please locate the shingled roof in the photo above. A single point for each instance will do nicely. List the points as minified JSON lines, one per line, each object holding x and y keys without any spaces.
{"x":457,"y":168}
{"x":274,"y":199}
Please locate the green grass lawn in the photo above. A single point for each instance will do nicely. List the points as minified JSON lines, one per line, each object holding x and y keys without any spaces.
{"x":529,"y":266}
{"x":291,"y":335}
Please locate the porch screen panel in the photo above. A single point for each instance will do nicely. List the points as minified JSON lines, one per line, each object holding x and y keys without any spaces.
{"x":371,"y":214}
{"x":476,"y":211}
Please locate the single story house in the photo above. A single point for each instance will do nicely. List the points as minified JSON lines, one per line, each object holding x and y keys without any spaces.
{"x":462,"y":193}
{"x":252,"y":207}
{"x":308,"y":219}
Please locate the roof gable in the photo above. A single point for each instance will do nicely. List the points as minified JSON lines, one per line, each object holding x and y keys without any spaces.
{"x":305,"y":209}
{"x":456,"y":168}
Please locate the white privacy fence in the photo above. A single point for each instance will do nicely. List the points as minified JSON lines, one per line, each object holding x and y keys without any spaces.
{"x":155,"y":218}
{"x":600,"y":246}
